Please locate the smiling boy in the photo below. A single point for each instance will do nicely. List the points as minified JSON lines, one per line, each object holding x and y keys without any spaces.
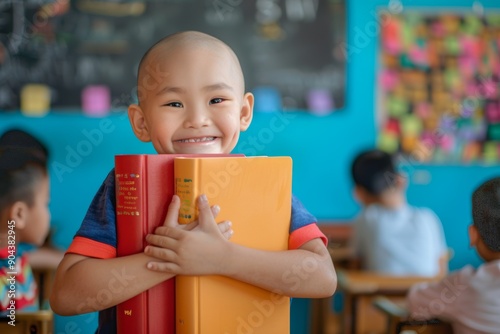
{"x":191,"y":100}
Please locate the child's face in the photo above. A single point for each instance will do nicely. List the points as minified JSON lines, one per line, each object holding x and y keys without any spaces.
{"x":192,"y":101}
{"x":38,"y":215}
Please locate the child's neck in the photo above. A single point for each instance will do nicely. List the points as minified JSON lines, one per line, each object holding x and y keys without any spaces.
{"x":390,"y":200}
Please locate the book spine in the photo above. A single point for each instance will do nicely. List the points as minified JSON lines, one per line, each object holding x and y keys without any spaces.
{"x":186,"y":308}
{"x":131,"y":314}
{"x":185,"y":171}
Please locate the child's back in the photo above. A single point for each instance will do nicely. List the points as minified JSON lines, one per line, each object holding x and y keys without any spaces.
{"x":469,"y":298}
{"x":391,"y":236}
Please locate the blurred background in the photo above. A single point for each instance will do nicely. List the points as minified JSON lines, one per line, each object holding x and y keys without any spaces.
{"x":330,"y":77}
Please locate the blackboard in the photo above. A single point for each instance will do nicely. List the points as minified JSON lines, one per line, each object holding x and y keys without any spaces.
{"x":286,"y":44}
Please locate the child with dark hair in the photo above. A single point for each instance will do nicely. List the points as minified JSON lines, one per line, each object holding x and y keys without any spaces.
{"x":469,"y":298}
{"x":24,"y":218}
{"x":391,"y":236}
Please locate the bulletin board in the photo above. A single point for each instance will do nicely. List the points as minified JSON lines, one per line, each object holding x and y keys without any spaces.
{"x":438,"y":86}
{"x":68,"y":44}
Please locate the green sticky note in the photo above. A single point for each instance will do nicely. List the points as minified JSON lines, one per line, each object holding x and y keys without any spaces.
{"x":411,"y":125}
{"x":388,"y":142}
{"x":452,"y":78}
{"x":452,"y":45}
{"x":493,"y":20}
{"x":472,"y":25}
{"x":407,"y":35}
{"x":490,"y":152}
{"x":397,"y":107}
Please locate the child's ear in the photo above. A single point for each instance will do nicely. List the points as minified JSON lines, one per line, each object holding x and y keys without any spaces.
{"x":246,"y":111}
{"x":473,"y":235}
{"x":401,"y":181}
{"x":359,"y":194}
{"x":138,"y":122}
{"x":19,"y":212}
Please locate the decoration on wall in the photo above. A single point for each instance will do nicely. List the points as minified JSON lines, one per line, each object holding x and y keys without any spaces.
{"x":439,"y":86}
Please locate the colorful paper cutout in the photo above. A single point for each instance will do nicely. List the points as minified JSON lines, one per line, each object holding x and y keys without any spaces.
{"x":440,"y":84}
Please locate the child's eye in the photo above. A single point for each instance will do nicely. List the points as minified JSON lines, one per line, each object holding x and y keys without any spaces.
{"x":174,"y":104}
{"x":216,"y":100}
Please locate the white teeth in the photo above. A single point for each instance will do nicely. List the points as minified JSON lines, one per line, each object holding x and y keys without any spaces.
{"x":196,"y":140}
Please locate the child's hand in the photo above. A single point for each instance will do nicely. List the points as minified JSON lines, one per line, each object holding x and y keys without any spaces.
{"x":195,"y":250}
{"x":224,"y":227}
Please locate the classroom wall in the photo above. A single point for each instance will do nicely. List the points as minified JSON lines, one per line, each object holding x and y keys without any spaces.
{"x":322,"y":147}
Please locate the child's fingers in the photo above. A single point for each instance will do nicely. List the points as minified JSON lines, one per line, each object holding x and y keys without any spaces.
{"x":206,"y":218}
{"x":226,"y":229}
{"x":215,"y":210}
{"x":160,"y":253}
{"x":164,"y":237}
{"x":188,"y":227}
{"x":164,"y":267}
{"x":172,"y":218}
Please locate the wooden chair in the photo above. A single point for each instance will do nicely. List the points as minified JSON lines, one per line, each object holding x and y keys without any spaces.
{"x":39,"y":322}
{"x":338,"y":234}
{"x":398,"y":319}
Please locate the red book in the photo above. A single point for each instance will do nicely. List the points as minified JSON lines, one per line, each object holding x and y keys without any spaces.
{"x":144,"y":188}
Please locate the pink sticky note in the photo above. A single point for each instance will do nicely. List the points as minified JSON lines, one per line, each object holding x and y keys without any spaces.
{"x":467,"y":66}
{"x":96,"y":100}
{"x":423,"y":110}
{"x":388,"y":79}
{"x":447,"y":142}
{"x":418,"y":55}
{"x":489,"y":88}
{"x":472,"y":89}
{"x":438,"y":29}
{"x":428,"y":139}
{"x":493,"y":112}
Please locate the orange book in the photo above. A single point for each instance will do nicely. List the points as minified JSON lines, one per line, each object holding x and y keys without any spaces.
{"x":144,"y":189}
{"x":254,"y":193}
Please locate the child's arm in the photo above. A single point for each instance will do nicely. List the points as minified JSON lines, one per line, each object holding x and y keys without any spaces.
{"x":45,"y":257}
{"x":304,"y":272}
{"x":85,"y":284}
{"x":439,"y":299}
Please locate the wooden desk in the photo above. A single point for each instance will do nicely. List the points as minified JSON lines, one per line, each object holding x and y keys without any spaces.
{"x":398,"y":319}
{"x":360,"y":287}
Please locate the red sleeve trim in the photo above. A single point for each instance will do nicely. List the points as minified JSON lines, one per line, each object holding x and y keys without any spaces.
{"x":91,"y":248}
{"x":304,"y":234}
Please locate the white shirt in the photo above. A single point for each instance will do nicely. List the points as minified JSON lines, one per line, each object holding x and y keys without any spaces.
{"x":402,"y":241}
{"x":469,"y":299}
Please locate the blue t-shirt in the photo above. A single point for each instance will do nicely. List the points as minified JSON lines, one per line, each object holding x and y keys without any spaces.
{"x":97,"y":236}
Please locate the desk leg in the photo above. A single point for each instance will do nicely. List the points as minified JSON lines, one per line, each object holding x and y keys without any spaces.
{"x":346,"y":320}
{"x":317,"y":316}
{"x":354,"y":306}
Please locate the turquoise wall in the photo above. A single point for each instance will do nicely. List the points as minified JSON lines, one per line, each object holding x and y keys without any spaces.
{"x":321,"y":147}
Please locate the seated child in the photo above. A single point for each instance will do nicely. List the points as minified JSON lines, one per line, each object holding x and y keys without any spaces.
{"x":24,"y":218}
{"x":391,"y":236}
{"x":192,"y":99}
{"x":469,"y":298}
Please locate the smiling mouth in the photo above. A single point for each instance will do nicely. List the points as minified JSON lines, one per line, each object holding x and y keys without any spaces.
{"x":196,"y":140}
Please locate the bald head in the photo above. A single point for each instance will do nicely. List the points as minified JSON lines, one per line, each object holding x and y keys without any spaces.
{"x":150,"y":64}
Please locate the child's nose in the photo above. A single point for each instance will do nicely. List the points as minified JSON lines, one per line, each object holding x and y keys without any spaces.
{"x":196,"y":117}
